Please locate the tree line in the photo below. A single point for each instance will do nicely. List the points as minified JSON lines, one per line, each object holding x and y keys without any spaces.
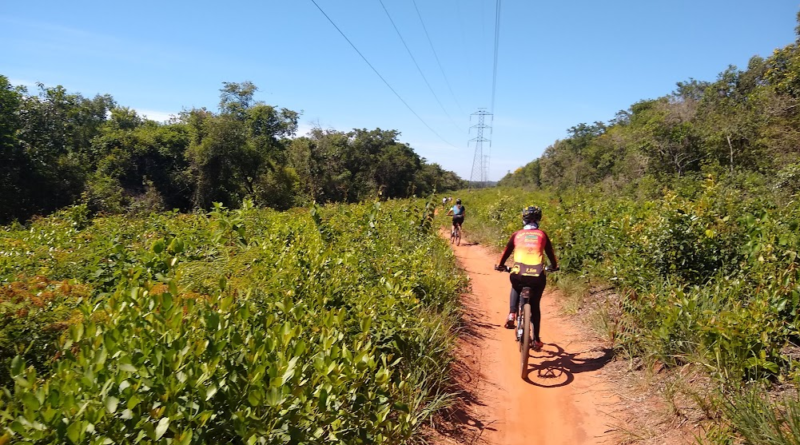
{"x":745,"y":124}
{"x":59,"y":148}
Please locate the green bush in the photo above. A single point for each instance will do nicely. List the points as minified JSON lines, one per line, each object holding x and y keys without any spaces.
{"x":246,"y":326}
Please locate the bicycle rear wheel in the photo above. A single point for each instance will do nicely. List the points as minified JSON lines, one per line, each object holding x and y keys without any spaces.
{"x":525,"y":343}
{"x":458,"y":236}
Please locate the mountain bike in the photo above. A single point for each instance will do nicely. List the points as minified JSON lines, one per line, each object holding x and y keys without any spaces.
{"x":455,"y":234}
{"x":524,"y":331}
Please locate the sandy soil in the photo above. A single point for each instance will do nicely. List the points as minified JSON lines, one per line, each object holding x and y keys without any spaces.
{"x":563,"y":400}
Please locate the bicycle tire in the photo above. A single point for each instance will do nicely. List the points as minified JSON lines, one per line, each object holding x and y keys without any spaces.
{"x":458,"y":236}
{"x":525,"y":344}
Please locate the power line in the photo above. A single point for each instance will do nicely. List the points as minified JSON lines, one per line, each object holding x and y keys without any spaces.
{"x":496,"y":47}
{"x":417,"y":65}
{"x":381,"y":77}
{"x":484,"y":45}
{"x":485,"y":164}
{"x":436,"y":55}
{"x":460,"y":16}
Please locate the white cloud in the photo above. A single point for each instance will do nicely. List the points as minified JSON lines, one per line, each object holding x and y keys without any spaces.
{"x":304,"y":128}
{"x":437,"y":146}
{"x":22,"y":82}
{"x":158,"y":116}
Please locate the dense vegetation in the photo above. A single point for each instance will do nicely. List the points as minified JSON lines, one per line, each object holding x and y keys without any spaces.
{"x":58,"y":149}
{"x":239,"y":326}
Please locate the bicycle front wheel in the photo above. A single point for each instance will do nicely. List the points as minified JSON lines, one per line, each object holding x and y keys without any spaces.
{"x":525,"y":342}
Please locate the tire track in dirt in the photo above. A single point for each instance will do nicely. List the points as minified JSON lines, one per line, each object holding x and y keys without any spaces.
{"x":565,"y":397}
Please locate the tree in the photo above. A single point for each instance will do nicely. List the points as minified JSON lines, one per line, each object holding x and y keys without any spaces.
{"x":666,"y":134}
{"x":145,"y":161}
{"x":56,"y":130}
{"x":395,"y":169}
{"x":13,"y":162}
{"x":232,"y":151}
{"x":338,"y":166}
{"x":236,"y":98}
{"x":59,"y":148}
{"x":729,"y":117}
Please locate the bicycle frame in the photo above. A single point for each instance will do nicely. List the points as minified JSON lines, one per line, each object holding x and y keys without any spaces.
{"x":524,"y":298}
{"x":455,"y":234}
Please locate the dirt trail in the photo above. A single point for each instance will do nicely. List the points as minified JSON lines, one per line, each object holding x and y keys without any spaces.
{"x":565,"y":397}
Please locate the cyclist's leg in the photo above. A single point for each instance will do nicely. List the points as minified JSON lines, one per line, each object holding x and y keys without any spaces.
{"x":516,"y":289}
{"x":513,"y":298}
{"x":513,"y":301}
{"x":513,"y":304}
{"x":537,"y":289}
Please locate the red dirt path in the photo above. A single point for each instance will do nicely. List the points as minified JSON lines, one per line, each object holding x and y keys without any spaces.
{"x":564,"y":398}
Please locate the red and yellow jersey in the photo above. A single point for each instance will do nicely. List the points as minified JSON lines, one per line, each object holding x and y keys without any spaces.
{"x":529,"y":247}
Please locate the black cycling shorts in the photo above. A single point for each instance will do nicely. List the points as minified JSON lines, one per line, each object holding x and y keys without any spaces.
{"x":458,"y":219}
{"x":537,"y":284}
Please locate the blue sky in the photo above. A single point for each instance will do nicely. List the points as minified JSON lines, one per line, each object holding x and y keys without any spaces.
{"x":560,"y":62}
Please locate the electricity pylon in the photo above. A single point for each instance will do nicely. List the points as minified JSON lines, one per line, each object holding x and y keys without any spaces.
{"x":480,"y":163}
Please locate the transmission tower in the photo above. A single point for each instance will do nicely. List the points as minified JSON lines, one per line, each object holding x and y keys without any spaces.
{"x":480,"y":163}
{"x":485,"y":170}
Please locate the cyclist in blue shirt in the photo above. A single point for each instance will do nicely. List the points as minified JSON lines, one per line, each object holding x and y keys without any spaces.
{"x":458,"y":212}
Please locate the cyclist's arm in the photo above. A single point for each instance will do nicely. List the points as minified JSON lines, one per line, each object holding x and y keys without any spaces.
{"x":507,"y":251}
{"x":449,"y":212}
{"x":551,"y":253}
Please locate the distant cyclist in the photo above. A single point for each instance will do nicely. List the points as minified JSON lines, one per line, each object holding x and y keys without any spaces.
{"x":529,"y":246}
{"x":458,"y":212}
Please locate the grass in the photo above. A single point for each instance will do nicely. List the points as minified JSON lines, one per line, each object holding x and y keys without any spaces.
{"x":760,"y":420}
{"x":603,"y":324}
{"x":574,"y":291}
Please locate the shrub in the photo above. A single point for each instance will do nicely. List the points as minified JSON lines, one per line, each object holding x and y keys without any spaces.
{"x":246,"y":326}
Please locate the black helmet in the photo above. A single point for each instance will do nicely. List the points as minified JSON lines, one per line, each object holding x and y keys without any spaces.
{"x":531,"y":214}
{"x":458,"y":201}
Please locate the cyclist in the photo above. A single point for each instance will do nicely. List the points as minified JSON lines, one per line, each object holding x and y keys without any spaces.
{"x":529,"y":246}
{"x":458,"y":212}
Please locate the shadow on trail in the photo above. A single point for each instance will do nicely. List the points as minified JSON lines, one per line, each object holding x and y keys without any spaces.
{"x":553,"y":367}
{"x":461,"y":414}
{"x":462,"y":424}
{"x":473,"y":325}
{"x":469,"y":243}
